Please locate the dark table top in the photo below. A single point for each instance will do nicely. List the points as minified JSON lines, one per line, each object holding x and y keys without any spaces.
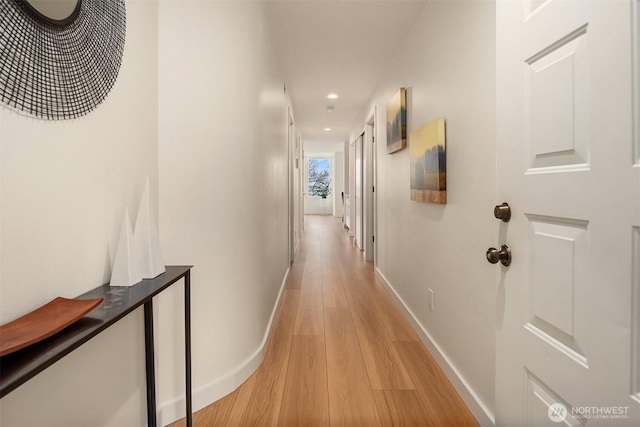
{"x":17,"y":368}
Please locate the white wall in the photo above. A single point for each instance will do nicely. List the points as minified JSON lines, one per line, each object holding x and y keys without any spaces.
{"x":224,"y":202}
{"x":64,"y":189}
{"x":448,"y":65}
{"x":318,"y":206}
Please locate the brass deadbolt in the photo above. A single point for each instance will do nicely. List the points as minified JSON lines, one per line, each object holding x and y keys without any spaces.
{"x":502,"y":212}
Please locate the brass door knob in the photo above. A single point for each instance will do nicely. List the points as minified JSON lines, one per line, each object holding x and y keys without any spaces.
{"x":502,"y":212}
{"x":503,"y":255}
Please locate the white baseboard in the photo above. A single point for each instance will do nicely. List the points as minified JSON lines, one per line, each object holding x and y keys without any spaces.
{"x":479,"y":410}
{"x":173,"y":410}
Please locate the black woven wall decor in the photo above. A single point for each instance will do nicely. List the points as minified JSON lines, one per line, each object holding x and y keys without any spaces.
{"x":54,"y":71}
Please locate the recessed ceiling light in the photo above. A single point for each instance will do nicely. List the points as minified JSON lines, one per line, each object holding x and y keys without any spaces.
{"x":330,"y":109}
{"x":332,"y":96}
{"x":327,"y":129}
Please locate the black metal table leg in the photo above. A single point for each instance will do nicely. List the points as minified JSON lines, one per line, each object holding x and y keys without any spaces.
{"x":187,"y":343}
{"x":150,"y":364}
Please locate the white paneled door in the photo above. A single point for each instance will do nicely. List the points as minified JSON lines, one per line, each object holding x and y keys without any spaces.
{"x":567,"y":350}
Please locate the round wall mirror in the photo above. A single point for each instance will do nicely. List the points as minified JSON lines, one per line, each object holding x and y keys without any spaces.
{"x":58,"y":12}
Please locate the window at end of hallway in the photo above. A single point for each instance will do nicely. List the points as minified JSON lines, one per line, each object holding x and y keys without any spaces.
{"x":319,"y":178}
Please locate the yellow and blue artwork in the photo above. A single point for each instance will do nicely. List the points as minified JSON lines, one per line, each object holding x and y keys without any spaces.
{"x":397,"y":122}
{"x":428,"y":154}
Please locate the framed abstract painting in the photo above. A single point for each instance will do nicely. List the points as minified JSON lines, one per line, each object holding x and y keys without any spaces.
{"x":428,"y":154}
{"x":397,"y":122}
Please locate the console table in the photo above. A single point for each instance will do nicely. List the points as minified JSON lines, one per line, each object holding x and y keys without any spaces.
{"x":17,"y":368}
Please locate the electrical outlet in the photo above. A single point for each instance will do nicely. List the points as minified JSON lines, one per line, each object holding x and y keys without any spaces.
{"x":430,"y":294}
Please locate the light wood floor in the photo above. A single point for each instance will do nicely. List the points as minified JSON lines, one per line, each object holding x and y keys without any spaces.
{"x":340,"y":352}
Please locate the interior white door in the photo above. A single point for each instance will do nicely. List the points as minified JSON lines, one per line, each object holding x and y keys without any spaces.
{"x":566,"y":341}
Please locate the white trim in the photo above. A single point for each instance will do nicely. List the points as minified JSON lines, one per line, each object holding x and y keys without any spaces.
{"x":369,"y":182}
{"x":174,"y":409}
{"x":479,"y":410}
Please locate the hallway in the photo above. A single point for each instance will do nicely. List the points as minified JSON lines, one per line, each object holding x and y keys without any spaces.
{"x":340,"y":352}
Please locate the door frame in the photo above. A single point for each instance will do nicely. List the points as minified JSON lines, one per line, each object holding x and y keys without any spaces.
{"x":369,"y":175}
{"x":359,"y":158}
{"x":352,"y":187}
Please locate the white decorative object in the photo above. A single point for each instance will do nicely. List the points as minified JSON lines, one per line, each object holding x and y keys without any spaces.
{"x":125,"y":272}
{"x":147,"y":254}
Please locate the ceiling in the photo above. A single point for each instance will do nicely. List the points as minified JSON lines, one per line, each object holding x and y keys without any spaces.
{"x":336,"y":46}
